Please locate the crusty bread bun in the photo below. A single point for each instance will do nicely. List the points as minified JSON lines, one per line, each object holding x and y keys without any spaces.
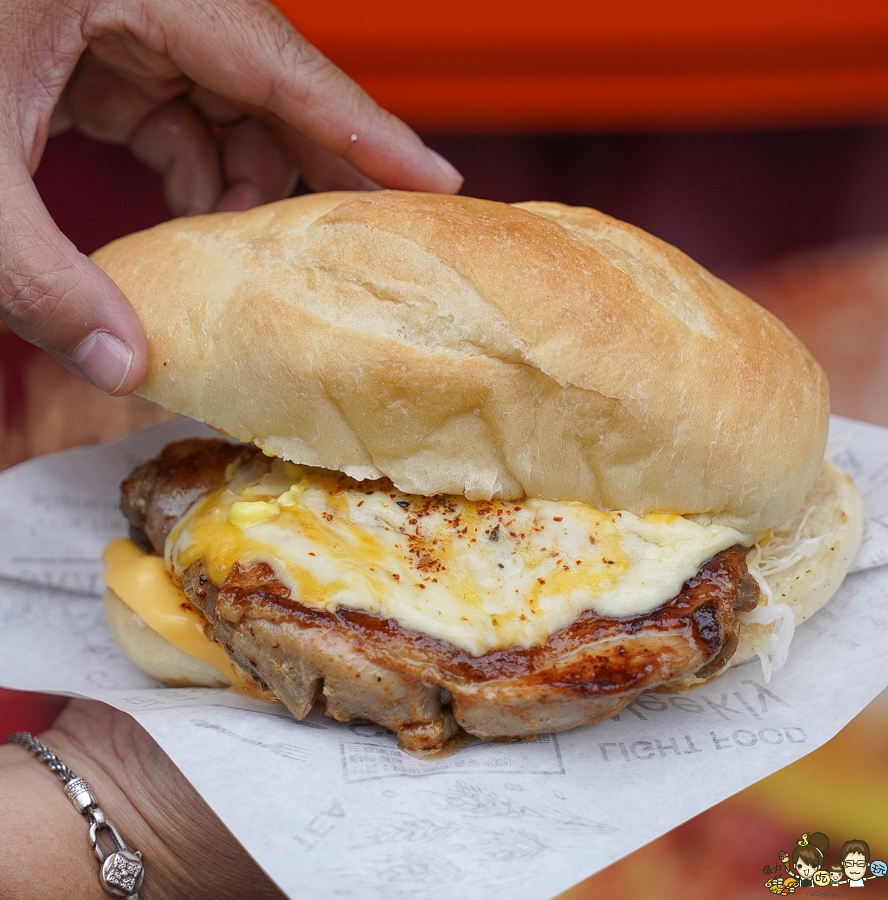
{"x":465,"y":347}
{"x":468,"y":347}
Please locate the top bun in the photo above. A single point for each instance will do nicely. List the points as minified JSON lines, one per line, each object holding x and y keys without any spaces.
{"x":469,"y":347}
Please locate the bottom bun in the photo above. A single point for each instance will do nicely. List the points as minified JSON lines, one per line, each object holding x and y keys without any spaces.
{"x":153,"y":653}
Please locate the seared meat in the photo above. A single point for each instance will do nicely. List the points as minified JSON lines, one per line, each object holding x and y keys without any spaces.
{"x":368,"y":667}
{"x":159,"y":492}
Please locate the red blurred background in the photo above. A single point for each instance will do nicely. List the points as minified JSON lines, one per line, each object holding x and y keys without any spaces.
{"x":754,"y":137}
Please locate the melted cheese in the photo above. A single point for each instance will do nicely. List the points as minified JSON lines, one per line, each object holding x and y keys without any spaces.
{"x":143,"y":584}
{"x":482,"y":575}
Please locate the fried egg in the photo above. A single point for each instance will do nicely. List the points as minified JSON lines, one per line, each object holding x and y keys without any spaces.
{"x":481,"y":575}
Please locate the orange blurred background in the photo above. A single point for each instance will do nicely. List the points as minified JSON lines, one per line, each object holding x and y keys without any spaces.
{"x":579,"y":65}
{"x":752,"y":135}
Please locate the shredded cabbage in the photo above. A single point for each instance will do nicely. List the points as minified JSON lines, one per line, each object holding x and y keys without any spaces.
{"x":776,"y":553}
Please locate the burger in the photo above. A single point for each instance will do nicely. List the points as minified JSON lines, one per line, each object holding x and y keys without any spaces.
{"x":489,"y":467}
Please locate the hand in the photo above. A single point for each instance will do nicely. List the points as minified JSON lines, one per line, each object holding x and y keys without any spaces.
{"x":223,"y":97}
{"x":188,"y":853}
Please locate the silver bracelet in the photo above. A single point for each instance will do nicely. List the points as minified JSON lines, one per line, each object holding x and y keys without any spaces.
{"x":122,"y":870}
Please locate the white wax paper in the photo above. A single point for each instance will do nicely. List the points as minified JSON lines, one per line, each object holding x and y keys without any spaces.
{"x":332,"y":810}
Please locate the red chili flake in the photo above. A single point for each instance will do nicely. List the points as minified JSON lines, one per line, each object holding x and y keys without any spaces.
{"x":541,"y":580}
{"x":396,"y":576}
{"x":591,"y":539}
{"x":521,"y":617}
{"x":579,"y":561}
{"x":421,"y":587}
{"x":557,"y":518}
{"x":361,"y":503}
{"x":566,"y":568}
{"x":310,"y":553}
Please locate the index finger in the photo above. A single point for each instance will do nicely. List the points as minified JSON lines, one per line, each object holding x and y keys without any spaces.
{"x":249,"y":52}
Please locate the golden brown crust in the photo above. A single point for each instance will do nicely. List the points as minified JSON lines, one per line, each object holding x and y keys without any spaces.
{"x":462,"y":346}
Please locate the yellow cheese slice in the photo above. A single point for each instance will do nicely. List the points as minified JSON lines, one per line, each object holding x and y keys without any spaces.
{"x":141,"y":581}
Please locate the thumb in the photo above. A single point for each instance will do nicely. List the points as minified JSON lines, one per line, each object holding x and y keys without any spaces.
{"x":54,"y":297}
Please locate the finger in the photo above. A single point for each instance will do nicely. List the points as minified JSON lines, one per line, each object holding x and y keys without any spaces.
{"x":255,"y":167}
{"x":53,"y":296}
{"x":61,"y":119}
{"x":256,"y":57}
{"x":176,"y":142}
{"x":167,"y":134}
{"x":109,"y":106}
{"x":216,"y":110}
{"x":322,"y":170}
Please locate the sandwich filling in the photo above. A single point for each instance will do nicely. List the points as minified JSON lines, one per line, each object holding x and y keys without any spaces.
{"x":480,"y":575}
{"x":316,"y":585}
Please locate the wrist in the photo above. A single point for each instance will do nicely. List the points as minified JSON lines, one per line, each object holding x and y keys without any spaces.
{"x":46,"y":848}
{"x":111,"y":778}
{"x":188,"y":854}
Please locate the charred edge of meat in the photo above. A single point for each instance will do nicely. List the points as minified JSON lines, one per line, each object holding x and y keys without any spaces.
{"x":703,"y":610}
{"x":159,"y":492}
{"x":364,"y":666}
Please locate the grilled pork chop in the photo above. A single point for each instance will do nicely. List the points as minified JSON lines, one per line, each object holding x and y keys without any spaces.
{"x":369,"y":667}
